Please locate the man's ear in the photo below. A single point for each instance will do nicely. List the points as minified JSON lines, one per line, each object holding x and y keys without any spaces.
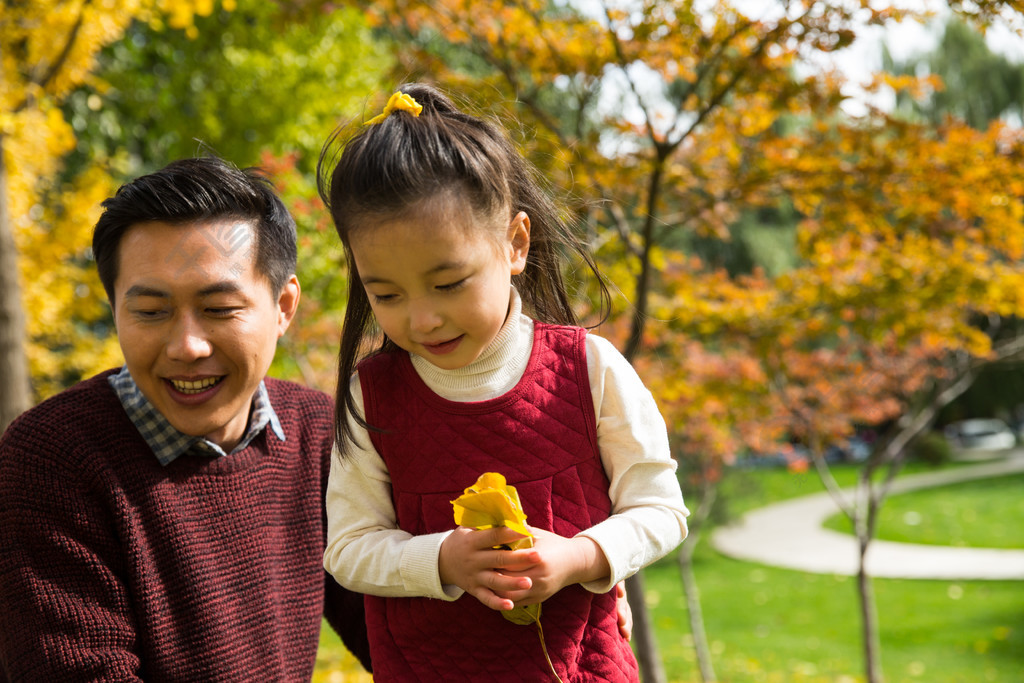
{"x":519,"y":241}
{"x":288,"y":303}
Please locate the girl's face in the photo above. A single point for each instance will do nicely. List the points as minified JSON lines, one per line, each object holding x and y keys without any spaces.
{"x":439,"y":281}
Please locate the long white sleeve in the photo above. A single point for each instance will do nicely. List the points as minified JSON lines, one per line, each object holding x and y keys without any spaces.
{"x":648,"y":516}
{"x":366,"y":552}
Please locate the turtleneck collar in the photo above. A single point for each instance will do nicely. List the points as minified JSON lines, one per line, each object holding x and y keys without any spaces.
{"x":495,"y":372}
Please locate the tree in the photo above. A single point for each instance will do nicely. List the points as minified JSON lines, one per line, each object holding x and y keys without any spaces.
{"x":903,"y":208}
{"x":46,"y":49}
{"x":667,"y":121}
{"x":264,"y":77}
{"x":13,"y":366}
{"x":969,"y":81}
{"x":149,"y":93}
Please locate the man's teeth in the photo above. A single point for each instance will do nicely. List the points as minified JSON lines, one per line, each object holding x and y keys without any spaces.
{"x":187,"y":387}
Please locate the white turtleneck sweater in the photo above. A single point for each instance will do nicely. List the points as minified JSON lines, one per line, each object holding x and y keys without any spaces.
{"x":366,"y":552}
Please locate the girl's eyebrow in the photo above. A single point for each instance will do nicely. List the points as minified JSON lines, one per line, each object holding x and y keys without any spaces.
{"x":439,"y":268}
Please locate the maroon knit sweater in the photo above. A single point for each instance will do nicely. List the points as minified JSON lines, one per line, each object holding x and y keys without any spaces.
{"x":113,"y":567}
{"x":542,"y":435}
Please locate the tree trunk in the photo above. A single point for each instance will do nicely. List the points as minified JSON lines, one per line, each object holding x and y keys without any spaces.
{"x":863,"y":513}
{"x":651,"y":669}
{"x":869,"y":620}
{"x":696,"y":614}
{"x":15,"y":392}
{"x":643,"y":280}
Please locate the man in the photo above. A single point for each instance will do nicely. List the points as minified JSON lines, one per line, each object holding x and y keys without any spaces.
{"x":165,"y":522}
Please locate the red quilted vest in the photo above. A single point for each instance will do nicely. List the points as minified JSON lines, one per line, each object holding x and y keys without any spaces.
{"x":542,"y":436}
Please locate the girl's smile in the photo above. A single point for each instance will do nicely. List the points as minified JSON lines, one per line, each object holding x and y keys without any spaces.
{"x":443,"y":348}
{"x":438,"y":282}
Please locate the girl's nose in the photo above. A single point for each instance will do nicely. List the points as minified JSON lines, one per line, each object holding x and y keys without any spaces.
{"x":189,"y":341}
{"x":423,"y":319}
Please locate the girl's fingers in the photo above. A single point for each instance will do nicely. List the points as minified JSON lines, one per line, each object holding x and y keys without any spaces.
{"x":496,"y":590}
{"x":493,"y":601}
{"x":500,"y":603}
{"x":502,"y":584}
{"x":516,"y":560}
{"x":501,"y":536}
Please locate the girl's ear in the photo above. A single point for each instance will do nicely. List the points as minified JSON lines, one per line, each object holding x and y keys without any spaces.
{"x":519,"y":241}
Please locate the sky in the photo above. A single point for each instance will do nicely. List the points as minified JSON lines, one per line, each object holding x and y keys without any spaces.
{"x":909,"y":38}
{"x":903,"y":39}
{"x":857,"y":62}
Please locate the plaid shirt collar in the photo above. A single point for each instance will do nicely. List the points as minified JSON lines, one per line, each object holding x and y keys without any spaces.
{"x":167,"y":442}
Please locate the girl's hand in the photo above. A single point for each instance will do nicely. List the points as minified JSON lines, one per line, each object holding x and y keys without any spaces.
{"x":560,"y":562}
{"x":468,"y":560}
{"x":624,"y":611}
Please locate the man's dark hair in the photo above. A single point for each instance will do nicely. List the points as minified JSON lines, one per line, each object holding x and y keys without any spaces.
{"x":199,"y":190}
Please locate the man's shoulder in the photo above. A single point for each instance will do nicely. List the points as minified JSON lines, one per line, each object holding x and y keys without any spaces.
{"x":287,"y":393}
{"x":299,"y":406}
{"x":87,"y":401}
{"x":306,"y":416}
{"x":69,"y":420}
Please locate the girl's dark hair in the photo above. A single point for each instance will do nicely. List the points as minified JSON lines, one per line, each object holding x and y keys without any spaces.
{"x":389,"y":168}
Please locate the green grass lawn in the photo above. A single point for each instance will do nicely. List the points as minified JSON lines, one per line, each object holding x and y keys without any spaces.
{"x":986,"y":513}
{"x":768,"y":625}
{"x":335,"y":664}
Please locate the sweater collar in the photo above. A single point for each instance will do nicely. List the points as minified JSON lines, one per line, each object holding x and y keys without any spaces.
{"x":166,"y":442}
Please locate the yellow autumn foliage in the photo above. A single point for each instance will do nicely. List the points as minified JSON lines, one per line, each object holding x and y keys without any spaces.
{"x":49,"y":49}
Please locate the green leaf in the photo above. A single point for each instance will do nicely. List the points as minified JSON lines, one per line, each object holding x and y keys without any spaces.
{"x":524,"y":615}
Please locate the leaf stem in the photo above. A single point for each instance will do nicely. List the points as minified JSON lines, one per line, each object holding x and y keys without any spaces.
{"x":540,"y":632}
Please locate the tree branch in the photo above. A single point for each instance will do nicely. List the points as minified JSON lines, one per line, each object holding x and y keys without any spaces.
{"x":43,"y":80}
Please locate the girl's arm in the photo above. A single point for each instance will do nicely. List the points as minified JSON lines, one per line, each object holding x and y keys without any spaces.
{"x":366,"y":551}
{"x":648,"y":515}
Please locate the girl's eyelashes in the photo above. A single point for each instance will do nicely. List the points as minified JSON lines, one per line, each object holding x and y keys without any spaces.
{"x":452,"y":286}
{"x":445,"y":288}
{"x":382,"y":298}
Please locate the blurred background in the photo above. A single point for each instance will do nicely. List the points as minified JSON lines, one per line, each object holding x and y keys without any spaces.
{"x":811,"y":215}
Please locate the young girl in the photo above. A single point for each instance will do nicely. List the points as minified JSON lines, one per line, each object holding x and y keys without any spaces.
{"x":455,"y":256}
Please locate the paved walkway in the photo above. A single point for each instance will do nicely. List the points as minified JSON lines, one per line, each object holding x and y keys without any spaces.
{"x":790,"y":534}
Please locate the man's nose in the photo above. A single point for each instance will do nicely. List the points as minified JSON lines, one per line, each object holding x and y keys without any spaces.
{"x":189,"y":341}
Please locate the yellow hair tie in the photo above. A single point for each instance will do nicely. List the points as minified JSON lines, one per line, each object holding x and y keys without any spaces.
{"x":400,"y":102}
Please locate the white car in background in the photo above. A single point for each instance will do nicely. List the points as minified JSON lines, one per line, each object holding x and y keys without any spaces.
{"x":987,"y":434}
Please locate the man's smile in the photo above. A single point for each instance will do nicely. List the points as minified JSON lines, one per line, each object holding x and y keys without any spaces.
{"x":194,"y":386}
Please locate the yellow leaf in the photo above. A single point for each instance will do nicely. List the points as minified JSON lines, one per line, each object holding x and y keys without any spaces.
{"x":490,"y":502}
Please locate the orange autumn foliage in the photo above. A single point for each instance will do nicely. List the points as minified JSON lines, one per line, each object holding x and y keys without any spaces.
{"x":666,"y":120}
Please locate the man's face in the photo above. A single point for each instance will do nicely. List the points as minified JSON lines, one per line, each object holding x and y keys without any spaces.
{"x":197,"y":325}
